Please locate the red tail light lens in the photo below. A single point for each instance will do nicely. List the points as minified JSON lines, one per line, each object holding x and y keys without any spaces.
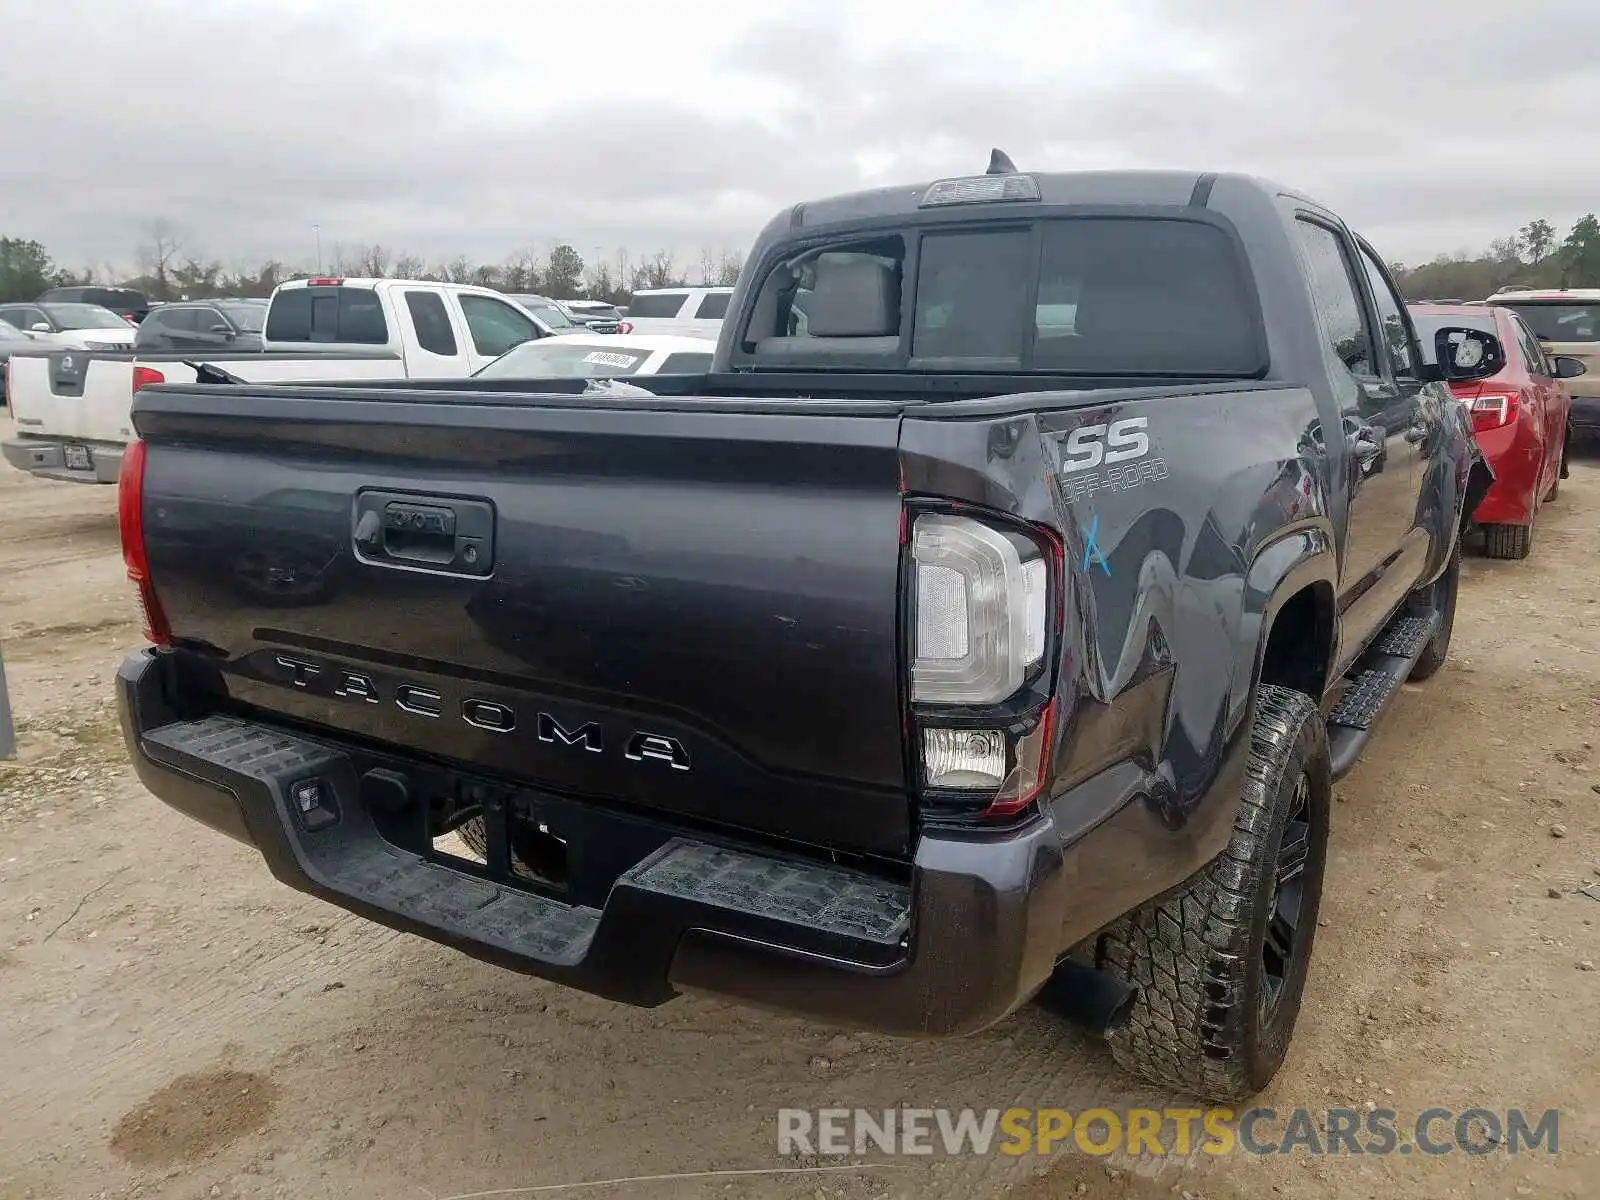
{"x":624,"y":326}
{"x":145,"y":376}
{"x":130,"y":522}
{"x":1492,"y":409}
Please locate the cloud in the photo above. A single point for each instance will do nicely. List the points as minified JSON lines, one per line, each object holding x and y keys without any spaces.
{"x":487,"y":126}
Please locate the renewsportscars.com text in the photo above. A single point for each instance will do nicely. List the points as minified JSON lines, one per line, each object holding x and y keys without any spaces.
{"x":1169,"y":1131}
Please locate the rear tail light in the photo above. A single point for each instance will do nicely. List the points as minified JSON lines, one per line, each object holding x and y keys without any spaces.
{"x":1492,"y":409}
{"x":145,"y":376}
{"x":981,"y":627}
{"x":624,"y":326}
{"x":130,"y":318}
{"x":130,"y":520}
{"x":324,"y":281}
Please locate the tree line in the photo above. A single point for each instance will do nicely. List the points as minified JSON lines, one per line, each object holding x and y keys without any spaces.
{"x":1534,"y":256}
{"x":170,"y":270}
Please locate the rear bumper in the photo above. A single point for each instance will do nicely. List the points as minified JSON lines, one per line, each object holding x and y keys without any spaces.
{"x":1514,"y":453}
{"x":973,"y":936}
{"x":46,"y":458}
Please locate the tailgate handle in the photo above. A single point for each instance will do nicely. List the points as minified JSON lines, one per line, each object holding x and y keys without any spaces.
{"x":401,"y":530}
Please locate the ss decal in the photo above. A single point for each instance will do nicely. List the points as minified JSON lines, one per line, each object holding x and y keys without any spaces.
{"x":1090,"y":446}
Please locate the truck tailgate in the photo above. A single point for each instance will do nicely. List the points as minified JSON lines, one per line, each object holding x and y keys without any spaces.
{"x":679,"y":610}
{"x":77,"y":394}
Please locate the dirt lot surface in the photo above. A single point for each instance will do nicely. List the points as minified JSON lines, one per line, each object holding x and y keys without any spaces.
{"x":174,"y":1023}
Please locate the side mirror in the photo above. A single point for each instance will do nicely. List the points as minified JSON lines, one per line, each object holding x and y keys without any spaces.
{"x":1568,"y":367}
{"x":1465,"y":355}
{"x":223,"y":330}
{"x":39,"y":327}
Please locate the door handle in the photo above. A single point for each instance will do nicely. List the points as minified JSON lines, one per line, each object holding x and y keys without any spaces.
{"x":398,"y":529}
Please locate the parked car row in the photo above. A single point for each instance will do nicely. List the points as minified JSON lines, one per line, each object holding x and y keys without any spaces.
{"x":72,"y":409}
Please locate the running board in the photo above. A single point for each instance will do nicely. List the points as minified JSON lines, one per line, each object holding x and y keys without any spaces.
{"x":1374,"y":682}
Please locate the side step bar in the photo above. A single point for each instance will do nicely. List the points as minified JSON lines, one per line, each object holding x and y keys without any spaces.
{"x":1374,"y":682}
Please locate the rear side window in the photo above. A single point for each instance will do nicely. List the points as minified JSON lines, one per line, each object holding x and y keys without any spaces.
{"x":685,"y":363}
{"x":432,"y":322}
{"x":327,"y":314}
{"x":1338,"y":302}
{"x":1140,"y":296}
{"x":713,"y":307}
{"x":663,"y":304}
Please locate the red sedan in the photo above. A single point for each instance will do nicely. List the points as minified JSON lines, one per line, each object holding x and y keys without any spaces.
{"x":1520,"y":418}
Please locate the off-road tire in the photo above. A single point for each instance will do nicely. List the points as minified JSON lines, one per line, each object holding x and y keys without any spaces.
{"x":476,"y":836}
{"x":1440,"y":597}
{"x":1196,"y":956}
{"x":1507,"y":541}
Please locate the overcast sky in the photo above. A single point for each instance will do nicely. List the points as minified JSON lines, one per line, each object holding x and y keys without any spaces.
{"x":481,"y":127}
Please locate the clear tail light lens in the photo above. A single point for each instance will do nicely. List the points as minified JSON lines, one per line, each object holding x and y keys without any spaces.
{"x":964,"y":758}
{"x":980,"y":612}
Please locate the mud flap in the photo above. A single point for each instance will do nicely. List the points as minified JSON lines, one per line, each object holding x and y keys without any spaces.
{"x":1480,"y":478}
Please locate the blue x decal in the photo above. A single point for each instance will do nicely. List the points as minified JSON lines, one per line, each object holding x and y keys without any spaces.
{"x":1092,"y":547}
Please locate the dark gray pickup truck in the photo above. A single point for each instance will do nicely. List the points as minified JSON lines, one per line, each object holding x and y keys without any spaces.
{"x":996,"y":615}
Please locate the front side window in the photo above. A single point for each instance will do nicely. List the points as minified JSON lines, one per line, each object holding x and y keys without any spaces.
{"x":1338,"y":299}
{"x":495,"y":326}
{"x":1391,"y":320}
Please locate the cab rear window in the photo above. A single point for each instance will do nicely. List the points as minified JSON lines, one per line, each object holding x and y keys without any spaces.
{"x":327,"y":314}
{"x":1095,"y":296}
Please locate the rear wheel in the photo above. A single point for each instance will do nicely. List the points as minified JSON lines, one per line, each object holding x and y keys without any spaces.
{"x":1220,"y":966}
{"x":1566,"y":448}
{"x":1507,"y":541}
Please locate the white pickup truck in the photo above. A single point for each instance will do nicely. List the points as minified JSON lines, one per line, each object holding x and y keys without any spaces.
{"x":684,"y":311}
{"x":71,"y":406}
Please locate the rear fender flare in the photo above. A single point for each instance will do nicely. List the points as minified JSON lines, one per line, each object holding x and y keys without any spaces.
{"x":1296,"y":559}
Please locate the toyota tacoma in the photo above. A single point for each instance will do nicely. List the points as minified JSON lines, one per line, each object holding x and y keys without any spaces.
{"x":996,"y":614}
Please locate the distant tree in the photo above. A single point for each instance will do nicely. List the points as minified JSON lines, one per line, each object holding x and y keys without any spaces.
{"x":409,"y":266}
{"x":661,"y":271}
{"x":1536,"y":239}
{"x":563,"y":272}
{"x":25,"y":269}
{"x":1580,"y":253}
{"x":598,"y":284}
{"x":519,"y":274}
{"x":157,"y":252}
{"x":729,"y":267}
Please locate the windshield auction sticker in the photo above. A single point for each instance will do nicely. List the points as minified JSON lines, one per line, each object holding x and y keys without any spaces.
{"x":606,"y":358}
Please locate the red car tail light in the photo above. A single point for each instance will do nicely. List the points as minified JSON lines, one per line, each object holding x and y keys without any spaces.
{"x":130,"y":522}
{"x":1492,"y":408}
{"x":984,"y":597}
{"x":624,"y":326}
{"x":145,"y":376}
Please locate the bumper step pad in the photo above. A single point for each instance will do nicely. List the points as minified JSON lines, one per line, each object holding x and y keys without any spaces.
{"x":712,"y":886}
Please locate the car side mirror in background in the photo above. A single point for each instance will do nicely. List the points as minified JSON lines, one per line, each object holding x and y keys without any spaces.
{"x":1568,"y":367}
{"x":1465,"y":354}
{"x":39,"y":327}
{"x":222,"y":329}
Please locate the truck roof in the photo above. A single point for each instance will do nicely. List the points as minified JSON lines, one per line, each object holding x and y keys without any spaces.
{"x":1546,"y":296}
{"x":1110,"y":188}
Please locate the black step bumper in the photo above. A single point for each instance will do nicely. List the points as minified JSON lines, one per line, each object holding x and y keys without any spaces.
{"x":975,"y":934}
